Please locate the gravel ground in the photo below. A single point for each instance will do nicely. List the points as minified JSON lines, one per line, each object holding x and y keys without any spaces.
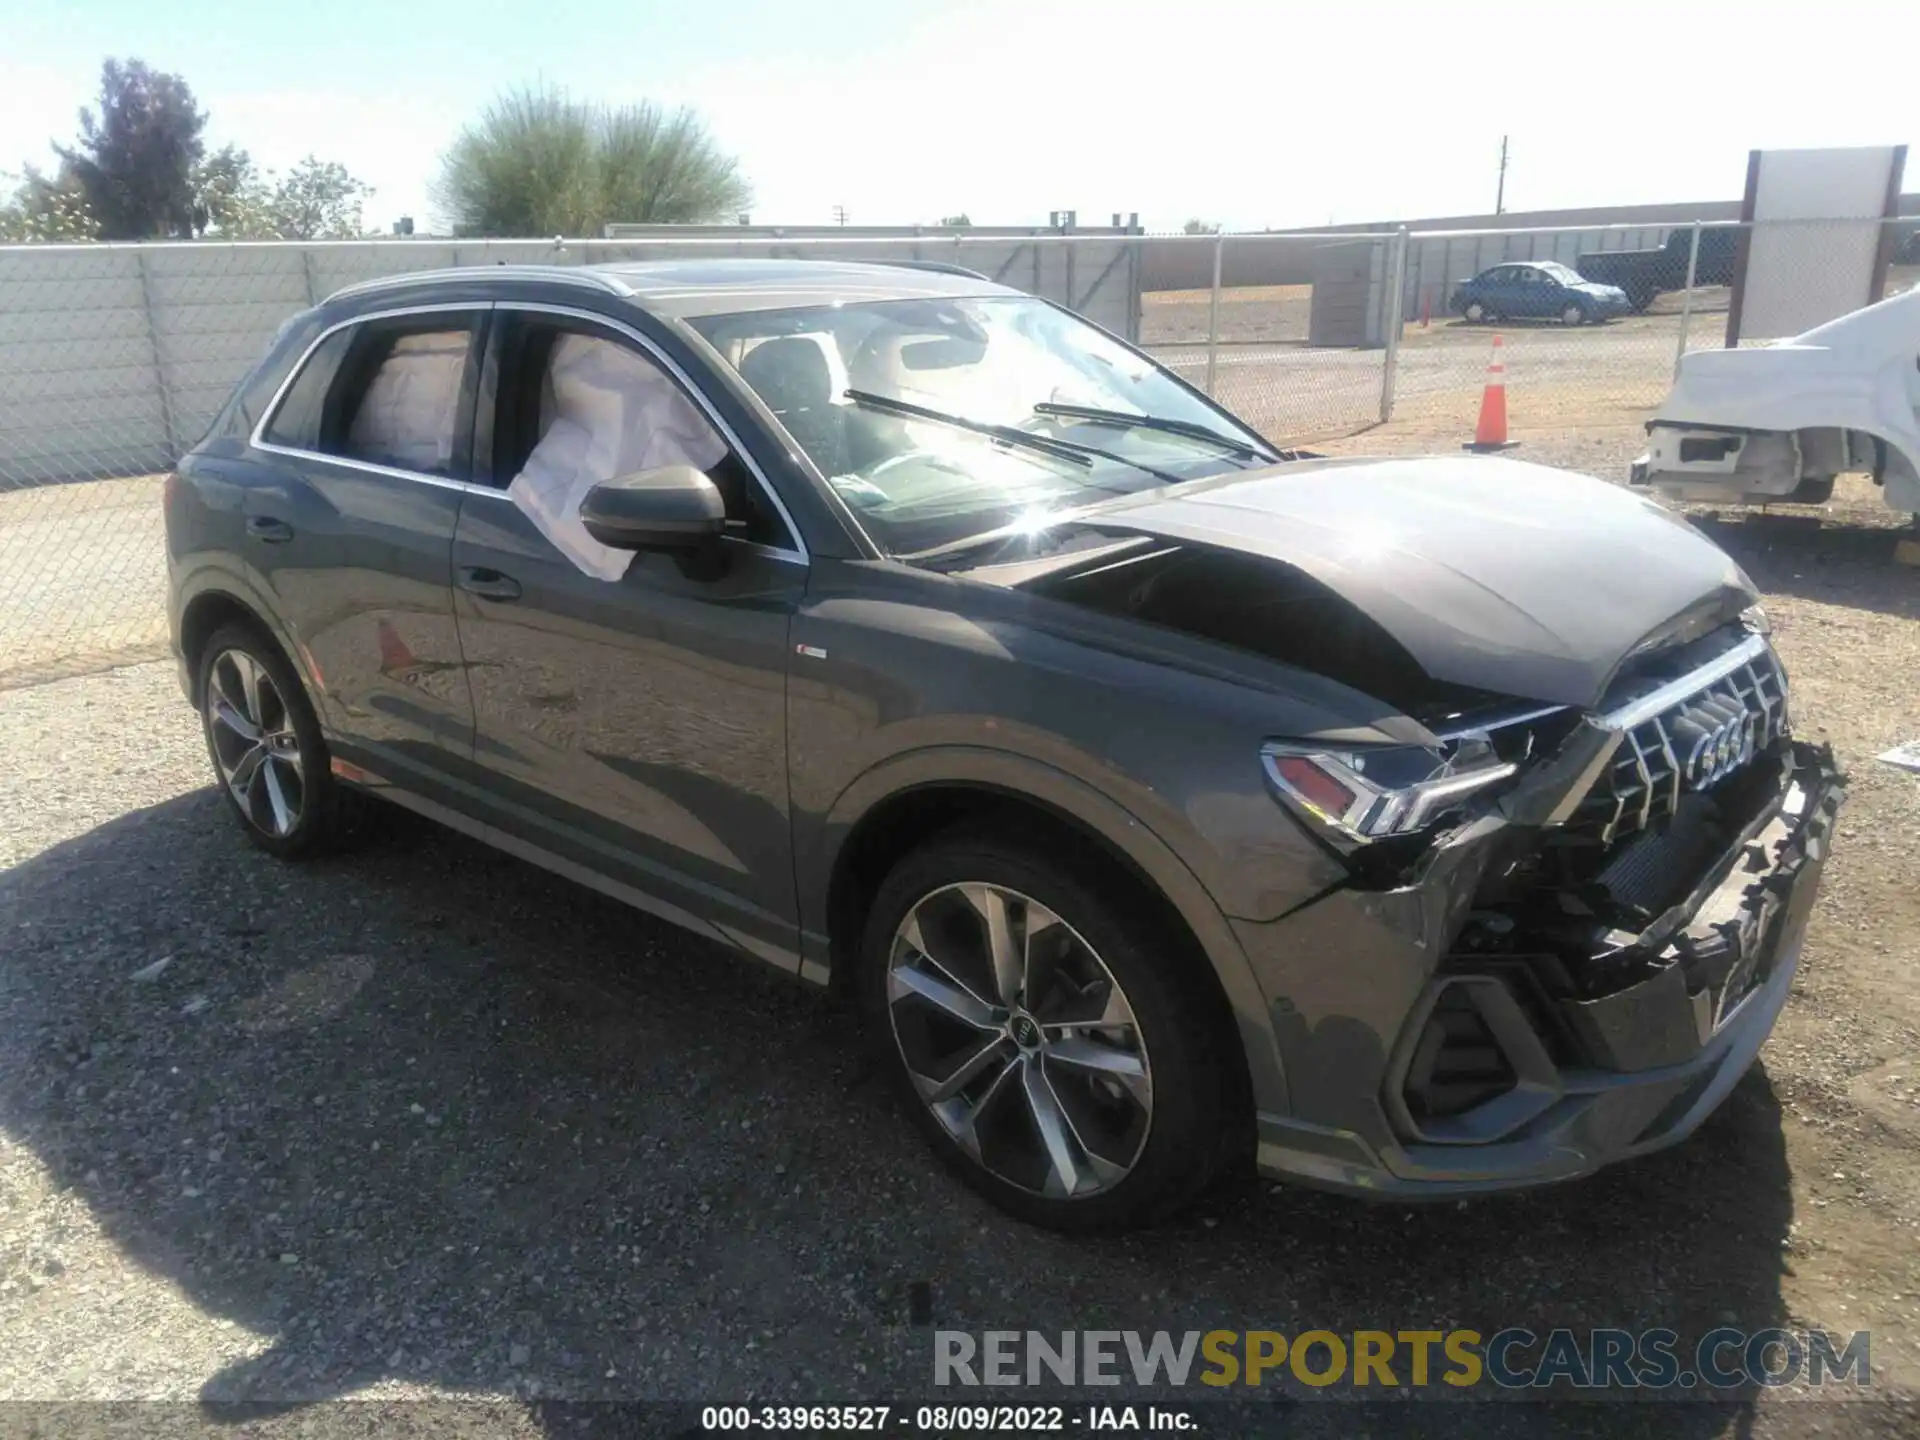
{"x":426,"y":1122}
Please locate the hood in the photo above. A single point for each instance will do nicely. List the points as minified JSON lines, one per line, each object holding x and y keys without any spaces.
{"x":1491,"y":573}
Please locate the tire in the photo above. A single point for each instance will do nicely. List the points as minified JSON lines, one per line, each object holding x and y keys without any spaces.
{"x":1572,"y":314}
{"x":1812,"y":490}
{"x":1477,"y":313}
{"x":1149,"y":1101}
{"x":264,"y":743}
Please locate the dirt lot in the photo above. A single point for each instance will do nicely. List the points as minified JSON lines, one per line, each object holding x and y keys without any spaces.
{"x":82,"y":576}
{"x":424,"y":1121}
{"x":1264,"y":314}
{"x":1595,"y":376}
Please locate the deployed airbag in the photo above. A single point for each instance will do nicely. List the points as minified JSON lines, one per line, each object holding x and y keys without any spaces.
{"x":613,"y":413}
{"x":407,"y":417}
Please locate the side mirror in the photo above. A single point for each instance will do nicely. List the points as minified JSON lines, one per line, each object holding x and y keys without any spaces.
{"x":675,"y":509}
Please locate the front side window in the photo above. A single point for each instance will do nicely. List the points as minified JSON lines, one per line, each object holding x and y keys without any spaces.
{"x":577,"y":407}
{"x":937,"y":419}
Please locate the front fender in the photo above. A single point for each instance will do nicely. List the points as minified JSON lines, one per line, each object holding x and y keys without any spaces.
{"x":818,"y":845}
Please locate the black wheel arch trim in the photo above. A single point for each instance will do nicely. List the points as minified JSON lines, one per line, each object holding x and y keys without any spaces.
{"x":216,"y":583}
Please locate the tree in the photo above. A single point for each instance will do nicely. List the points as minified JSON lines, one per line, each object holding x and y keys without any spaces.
{"x":316,"y":200}
{"x":46,"y":209}
{"x":228,"y":196}
{"x":956,"y":222}
{"x":1200,"y":227}
{"x":537,"y":162}
{"x":135,"y":158}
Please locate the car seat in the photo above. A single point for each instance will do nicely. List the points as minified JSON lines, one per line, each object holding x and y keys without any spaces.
{"x":791,"y":375}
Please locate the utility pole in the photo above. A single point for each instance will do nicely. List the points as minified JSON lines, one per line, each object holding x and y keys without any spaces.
{"x":1500,"y":195}
{"x":839,"y":214}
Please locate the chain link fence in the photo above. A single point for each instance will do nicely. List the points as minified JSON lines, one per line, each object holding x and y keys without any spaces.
{"x":1577,"y":359}
{"x":1288,"y":331}
{"x":113,"y":358}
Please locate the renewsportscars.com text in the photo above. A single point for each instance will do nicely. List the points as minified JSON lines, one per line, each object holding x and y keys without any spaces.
{"x":1513,"y":1358}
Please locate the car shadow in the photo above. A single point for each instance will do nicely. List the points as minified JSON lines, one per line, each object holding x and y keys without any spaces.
{"x":1816,"y":558}
{"x":427,"y":1114}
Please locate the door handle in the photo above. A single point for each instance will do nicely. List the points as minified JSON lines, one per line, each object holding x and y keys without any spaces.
{"x":265,"y":527}
{"x":488,"y":584}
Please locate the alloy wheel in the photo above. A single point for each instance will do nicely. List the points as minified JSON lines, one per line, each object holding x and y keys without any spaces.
{"x":1572,"y":315}
{"x":254,"y":745}
{"x":1019,"y":1040}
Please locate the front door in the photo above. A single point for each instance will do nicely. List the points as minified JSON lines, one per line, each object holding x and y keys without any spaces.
{"x":1538,"y":293}
{"x":352,"y":528}
{"x":629,"y":710}
{"x":1505,"y":294}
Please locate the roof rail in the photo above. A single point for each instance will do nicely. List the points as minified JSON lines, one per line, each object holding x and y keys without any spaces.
{"x":939,"y":267}
{"x":559,"y":274}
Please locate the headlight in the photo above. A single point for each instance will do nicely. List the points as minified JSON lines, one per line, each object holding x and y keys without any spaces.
{"x":1355,"y":797}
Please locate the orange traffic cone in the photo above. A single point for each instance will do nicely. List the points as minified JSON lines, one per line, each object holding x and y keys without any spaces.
{"x":1491,"y":431}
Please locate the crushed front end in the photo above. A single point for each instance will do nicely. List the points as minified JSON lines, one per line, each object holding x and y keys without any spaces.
{"x":1573,"y":971}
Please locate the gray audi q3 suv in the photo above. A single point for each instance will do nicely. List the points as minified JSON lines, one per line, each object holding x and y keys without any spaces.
{"x":1167,"y":799}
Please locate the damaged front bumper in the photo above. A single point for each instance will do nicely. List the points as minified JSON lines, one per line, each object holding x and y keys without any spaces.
{"x":1376,"y":1011}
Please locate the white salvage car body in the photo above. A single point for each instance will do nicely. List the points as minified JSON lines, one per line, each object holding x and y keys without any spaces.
{"x":1778,"y":423}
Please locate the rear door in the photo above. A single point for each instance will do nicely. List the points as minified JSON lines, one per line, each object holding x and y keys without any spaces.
{"x":629,"y":710}
{"x":368,"y":448}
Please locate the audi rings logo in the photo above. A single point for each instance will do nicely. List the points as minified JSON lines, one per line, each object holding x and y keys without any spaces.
{"x":1712,"y":740}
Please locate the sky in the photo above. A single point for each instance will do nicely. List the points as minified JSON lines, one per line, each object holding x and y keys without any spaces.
{"x":1251,"y":115}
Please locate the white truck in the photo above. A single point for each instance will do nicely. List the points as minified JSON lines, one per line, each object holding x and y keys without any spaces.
{"x":1777,"y":424}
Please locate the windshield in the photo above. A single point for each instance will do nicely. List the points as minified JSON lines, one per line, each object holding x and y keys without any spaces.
{"x":1560,"y":272}
{"x":896,"y":402}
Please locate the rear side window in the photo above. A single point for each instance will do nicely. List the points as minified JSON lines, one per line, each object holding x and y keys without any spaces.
{"x":408,"y":411}
{"x":386,"y":392}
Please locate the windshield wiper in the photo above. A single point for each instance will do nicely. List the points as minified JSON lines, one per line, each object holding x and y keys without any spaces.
{"x":1006,"y":434}
{"x":1128,"y":420}
{"x":1072,"y":450}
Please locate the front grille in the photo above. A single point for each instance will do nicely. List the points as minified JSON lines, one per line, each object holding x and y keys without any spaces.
{"x":1687,"y":734}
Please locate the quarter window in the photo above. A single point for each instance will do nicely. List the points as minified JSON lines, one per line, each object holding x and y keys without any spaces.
{"x":296,"y":424}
